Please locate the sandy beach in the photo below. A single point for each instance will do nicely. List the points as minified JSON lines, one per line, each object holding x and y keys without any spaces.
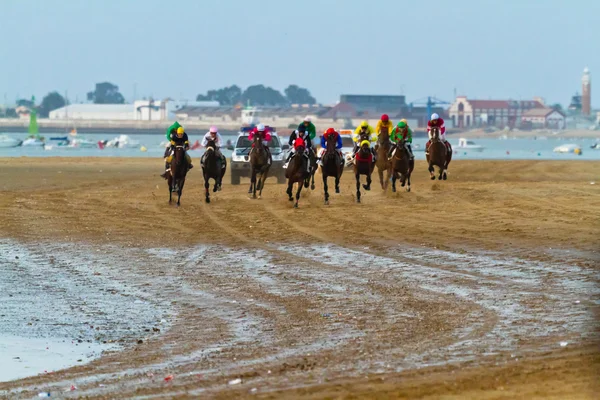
{"x":465,"y":288}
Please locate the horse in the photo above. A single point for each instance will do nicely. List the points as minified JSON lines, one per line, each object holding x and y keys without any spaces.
{"x":401,"y":167}
{"x":260,"y":162}
{"x":177,"y":173}
{"x":382,"y":148}
{"x":312,"y":159}
{"x":212,"y":168}
{"x":296,"y":172}
{"x":331,"y":165}
{"x":437,"y":155}
{"x":363,"y":165}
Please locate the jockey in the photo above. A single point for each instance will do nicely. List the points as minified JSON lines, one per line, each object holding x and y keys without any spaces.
{"x":338,"y":145}
{"x":401,"y":134}
{"x":300,"y":133}
{"x":384,"y":124}
{"x":299,"y":142}
{"x":178,"y":138}
{"x":214,"y":135}
{"x":308,"y":127}
{"x":438,"y":122}
{"x":265,"y":134}
{"x":365,"y":130}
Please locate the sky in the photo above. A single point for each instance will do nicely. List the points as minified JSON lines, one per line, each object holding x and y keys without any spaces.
{"x":484,"y":49}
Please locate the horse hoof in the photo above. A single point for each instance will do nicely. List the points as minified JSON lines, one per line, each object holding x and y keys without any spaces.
{"x":291,"y":199}
{"x":393,"y":190}
{"x":207,"y":200}
{"x":326,"y":202}
{"x":312,"y":187}
{"x":259,"y":197}
{"x":296,"y":205}
{"x":403,"y":184}
{"x":445,"y":177}
{"x":337,"y":190}
{"x":433,"y":178}
{"x":408,"y":189}
{"x":254,"y":197}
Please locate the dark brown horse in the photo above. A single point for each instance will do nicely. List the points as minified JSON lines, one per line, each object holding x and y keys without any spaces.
{"x":296,"y":172}
{"x":313,"y":168}
{"x":332,"y":165}
{"x":437,"y":155}
{"x":401,"y":167}
{"x":363,"y":165}
{"x":260,"y":162}
{"x":177,"y":173}
{"x":212,"y":168}
{"x":383,"y":163}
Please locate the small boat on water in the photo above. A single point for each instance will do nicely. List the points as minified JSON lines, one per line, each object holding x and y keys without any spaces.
{"x":7,"y":141}
{"x":123,"y":142}
{"x":595,"y":146}
{"x":83,"y":143}
{"x":568,"y":148}
{"x":468,"y":145}
{"x":33,"y":142}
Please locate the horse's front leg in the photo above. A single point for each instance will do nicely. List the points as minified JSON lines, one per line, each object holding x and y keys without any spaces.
{"x":394,"y":182}
{"x":253,"y":183}
{"x":431,"y":174}
{"x":368,"y":185}
{"x":261,"y":182}
{"x":380,"y":172}
{"x":408,"y":179}
{"x":206,"y":186}
{"x":289,"y":189}
{"x":298,"y":194}
{"x":325,"y":189}
{"x":357,"y":187}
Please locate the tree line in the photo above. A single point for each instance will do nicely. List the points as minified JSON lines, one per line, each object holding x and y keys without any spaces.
{"x":260,"y":95}
{"x":108,"y":93}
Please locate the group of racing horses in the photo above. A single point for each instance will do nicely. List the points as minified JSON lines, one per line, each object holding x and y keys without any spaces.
{"x":301,"y":169}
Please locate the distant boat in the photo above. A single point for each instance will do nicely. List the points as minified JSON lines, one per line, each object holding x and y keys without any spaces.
{"x":32,"y":142}
{"x":468,"y":145}
{"x":568,"y":148}
{"x":122,"y":142}
{"x":595,"y":146}
{"x":34,"y":138}
{"x":7,"y":141}
{"x":83,"y":143}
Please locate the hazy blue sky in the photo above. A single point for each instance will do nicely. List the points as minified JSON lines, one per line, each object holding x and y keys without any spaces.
{"x":484,"y":49}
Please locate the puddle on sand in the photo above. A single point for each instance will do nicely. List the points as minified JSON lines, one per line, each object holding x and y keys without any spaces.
{"x":22,"y":357}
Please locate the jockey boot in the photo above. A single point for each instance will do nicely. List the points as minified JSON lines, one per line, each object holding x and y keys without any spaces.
{"x":287,"y":160}
{"x":307,"y":163}
{"x":164,"y":174}
{"x":410,"y":152}
{"x":391,"y":152}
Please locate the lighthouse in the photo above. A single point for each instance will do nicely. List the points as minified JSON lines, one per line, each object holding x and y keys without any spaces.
{"x":586,"y":93}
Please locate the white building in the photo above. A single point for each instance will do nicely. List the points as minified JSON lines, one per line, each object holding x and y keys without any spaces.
{"x":466,"y":113}
{"x":544,"y":118}
{"x":94,"y":112}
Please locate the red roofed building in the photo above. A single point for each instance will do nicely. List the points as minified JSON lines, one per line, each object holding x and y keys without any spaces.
{"x":465,"y":113}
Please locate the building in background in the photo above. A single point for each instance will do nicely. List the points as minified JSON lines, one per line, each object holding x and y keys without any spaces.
{"x":465,"y":113}
{"x":549,"y":118}
{"x":586,"y":93}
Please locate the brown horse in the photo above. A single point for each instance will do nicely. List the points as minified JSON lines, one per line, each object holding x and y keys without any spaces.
{"x":332,"y":165}
{"x":401,"y":167}
{"x":296,"y":172}
{"x":260,"y":162}
{"x":313,"y":168}
{"x":437,"y":155}
{"x":212,"y":168}
{"x":177,"y":173}
{"x":363,"y":165}
{"x":383,"y":163}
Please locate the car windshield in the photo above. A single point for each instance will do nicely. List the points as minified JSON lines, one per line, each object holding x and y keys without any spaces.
{"x":244,"y":143}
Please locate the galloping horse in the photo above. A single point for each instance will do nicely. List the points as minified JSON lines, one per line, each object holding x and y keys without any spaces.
{"x":363,"y":165}
{"x":312,"y":159}
{"x":332,"y":165}
{"x":211,"y":168}
{"x":177,"y":173}
{"x":383,"y":163}
{"x":437,"y":155}
{"x":401,"y":167}
{"x":296,"y":173}
{"x":260,"y":162}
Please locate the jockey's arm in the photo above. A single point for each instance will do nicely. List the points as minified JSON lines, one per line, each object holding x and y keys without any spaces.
{"x":205,"y":140}
{"x":323,"y":142}
{"x":339,"y":144}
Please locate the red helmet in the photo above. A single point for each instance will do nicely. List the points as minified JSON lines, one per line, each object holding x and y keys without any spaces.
{"x":385,"y":118}
{"x":299,"y":142}
{"x":330,"y":131}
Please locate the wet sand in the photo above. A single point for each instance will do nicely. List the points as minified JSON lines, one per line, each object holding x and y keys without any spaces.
{"x":460,"y":289}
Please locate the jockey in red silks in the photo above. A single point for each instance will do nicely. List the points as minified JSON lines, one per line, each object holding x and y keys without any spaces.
{"x":338,"y":144}
{"x":437,"y":122}
{"x":299,"y":142}
{"x":264,"y":134}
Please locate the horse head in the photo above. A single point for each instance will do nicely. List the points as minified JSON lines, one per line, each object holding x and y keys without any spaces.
{"x":210,"y":145}
{"x":257,"y":142}
{"x":179,"y":155}
{"x":435,"y":134}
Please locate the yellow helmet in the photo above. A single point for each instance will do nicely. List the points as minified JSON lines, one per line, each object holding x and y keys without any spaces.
{"x":180,"y":131}
{"x":364,"y":124}
{"x":404,"y":120}
{"x":365,"y":142}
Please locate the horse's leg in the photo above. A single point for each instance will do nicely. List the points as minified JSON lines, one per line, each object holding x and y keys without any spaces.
{"x":312,"y":179}
{"x":298,"y":194}
{"x":325,"y":188}
{"x":431,"y":174}
{"x":337,"y":178}
{"x":394,"y":182}
{"x":357,"y":187}
{"x":179,"y":190}
{"x":206,"y":186}
{"x":289,"y":189}
{"x":261,"y":182}
{"x":252,"y":180}
{"x":408,"y":179}
{"x":170,"y":193}
{"x":368,"y":185}
{"x":380,"y":172}
{"x":441,"y":171}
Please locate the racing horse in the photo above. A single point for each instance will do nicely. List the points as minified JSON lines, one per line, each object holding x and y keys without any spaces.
{"x":382,"y":148}
{"x":177,"y":173}
{"x":312,"y":159}
{"x":296,"y":172}
{"x":332,"y":165}
{"x":363,"y":165}
{"x":212,"y":168}
{"x":401,"y":167}
{"x":437,"y":155}
{"x":260,"y":162}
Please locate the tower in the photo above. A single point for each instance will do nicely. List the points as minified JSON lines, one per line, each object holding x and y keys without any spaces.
{"x":586,"y":95}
